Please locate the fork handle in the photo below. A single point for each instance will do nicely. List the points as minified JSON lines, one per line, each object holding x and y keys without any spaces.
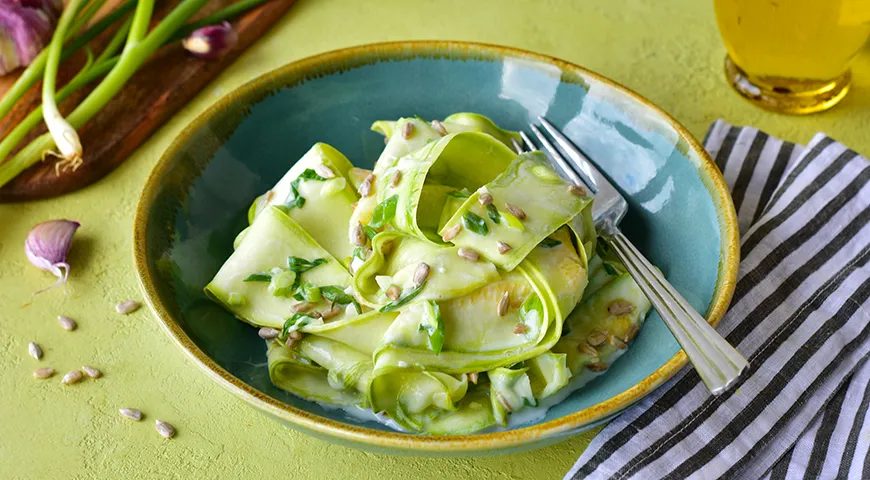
{"x":716,"y":361}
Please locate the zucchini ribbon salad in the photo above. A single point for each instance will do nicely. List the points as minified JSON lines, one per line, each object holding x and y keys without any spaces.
{"x":452,"y":286}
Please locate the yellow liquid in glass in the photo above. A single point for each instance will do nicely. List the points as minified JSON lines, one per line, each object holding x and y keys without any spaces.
{"x":796,"y":39}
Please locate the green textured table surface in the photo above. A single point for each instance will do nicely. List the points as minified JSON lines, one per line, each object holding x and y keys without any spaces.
{"x":668,"y":51}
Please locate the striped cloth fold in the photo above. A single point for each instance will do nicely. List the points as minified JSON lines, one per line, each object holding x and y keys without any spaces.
{"x":799,"y":315}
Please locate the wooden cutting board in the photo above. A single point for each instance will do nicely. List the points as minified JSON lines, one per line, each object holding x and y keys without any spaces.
{"x":160,"y":88}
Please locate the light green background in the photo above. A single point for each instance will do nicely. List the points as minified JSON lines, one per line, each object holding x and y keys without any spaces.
{"x":668,"y":51}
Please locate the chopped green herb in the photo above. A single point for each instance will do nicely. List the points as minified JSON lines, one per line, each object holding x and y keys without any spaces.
{"x":310,"y":292}
{"x":550,"y":243}
{"x":370,"y":232}
{"x":297,"y":201}
{"x":474,"y":223}
{"x":398,"y":303}
{"x":359,"y":253}
{"x":337,"y":295}
{"x":493,"y":213}
{"x":283,"y":284}
{"x":434,"y":327}
{"x":610,"y":269}
{"x":384,"y":212}
{"x":459,"y":193}
{"x":298,"y":320}
{"x":259,"y":277}
{"x":299,"y":266}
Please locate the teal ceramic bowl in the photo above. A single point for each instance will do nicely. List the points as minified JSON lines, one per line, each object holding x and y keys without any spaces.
{"x":196,"y":200}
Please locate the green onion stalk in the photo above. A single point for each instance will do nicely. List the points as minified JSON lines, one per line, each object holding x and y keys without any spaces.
{"x":167,"y":31}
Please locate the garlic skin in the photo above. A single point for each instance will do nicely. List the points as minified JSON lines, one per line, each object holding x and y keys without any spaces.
{"x":46,"y":247}
{"x":211,"y":42}
{"x":24,"y":31}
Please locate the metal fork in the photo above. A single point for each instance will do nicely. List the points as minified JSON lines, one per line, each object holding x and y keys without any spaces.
{"x":718,"y":363}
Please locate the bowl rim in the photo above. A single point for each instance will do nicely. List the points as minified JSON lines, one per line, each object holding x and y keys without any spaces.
{"x":353,"y":57}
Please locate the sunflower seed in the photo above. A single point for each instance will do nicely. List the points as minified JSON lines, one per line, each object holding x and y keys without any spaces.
{"x":503,"y":248}
{"x":91,"y":371}
{"x":66,"y":323}
{"x":631,"y":334}
{"x":451,"y":232}
{"x":597,"y":366}
{"x":620,"y":307}
{"x":358,"y":236}
{"x":587,"y":350}
{"x":521,"y":328}
{"x":126,"y":307}
{"x":407,"y":130}
{"x":332,"y":312}
{"x":596,"y":338}
{"x":386,"y":140}
{"x":439,"y":127}
{"x":397,"y":177}
{"x":293,"y":339}
{"x":421,"y":274}
{"x":267,"y":333}
{"x":503,"y":303}
{"x":42,"y":373}
{"x":473,"y":377}
{"x":577,"y":190}
{"x":34,"y":350}
{"x":616,"y":342}
{"x":393,"y":293}
{"x":324,"y":171}
{"x":468,"y":254}
{"x":485,"y":198}
{"x":131,"y":413}
{"x":504,"y":403}
{"x":515,"y":211}
{"x":72,"y":377}
{"x":164,"y":429}
{"x":365,"y":188}
{"x":387,"y":247}
{"x":301,"y":307}
{"x":353,"y":205}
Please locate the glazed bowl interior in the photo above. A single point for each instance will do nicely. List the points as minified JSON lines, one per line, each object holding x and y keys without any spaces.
{"x":197,"y":197}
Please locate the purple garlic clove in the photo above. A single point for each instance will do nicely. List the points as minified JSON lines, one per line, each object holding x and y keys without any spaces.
{"x":46,"y":247}
{"x":211,"y":42}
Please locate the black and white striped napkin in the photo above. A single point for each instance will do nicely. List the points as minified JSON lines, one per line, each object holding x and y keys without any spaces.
{"x":799,"y":315}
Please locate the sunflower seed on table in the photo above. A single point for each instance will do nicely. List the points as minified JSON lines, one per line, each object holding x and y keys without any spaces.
{"x":359,"y":235}
{"x":164,"y":429}
{"x":127,"y":307}
{"x":324,"y":171}
{"x":485,"y":198}
{"x":393,"y":293}
{"x":577,"y":190}
{"x":439,"y":127}
{"x":451,"y":232}
{"x":34,"y":350}
{"x":596,"y":338}
{"x":597,"y":366}
{"x":66,"y":323}
{"x":521,"y":329}
{"x":72,"y":377}
{"x":397,"y":177}
{"x":131,"y":413}
{"x":267,"y":333}
{"x":468,"y":254}
{"x":515,"y":211}
{"x":407,"y":130}
{"x":587,"y":350}
{"x":503,"y":304}
{"x":43,"y":373}
{"x":91,"y":371}
{"x":620,"y":307}
{"x":421,"y":274}
{"x":503,"y":248}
